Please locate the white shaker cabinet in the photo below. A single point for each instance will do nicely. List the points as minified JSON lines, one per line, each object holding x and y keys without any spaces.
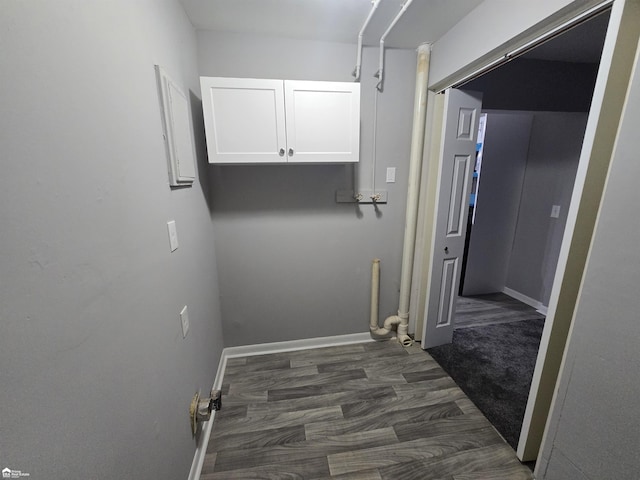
{"x":281,"y":121}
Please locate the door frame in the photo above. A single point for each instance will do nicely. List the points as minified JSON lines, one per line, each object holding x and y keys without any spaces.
{"x":608,"y":99}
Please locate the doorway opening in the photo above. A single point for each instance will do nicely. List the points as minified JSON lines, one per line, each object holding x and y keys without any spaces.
{"x":537,"y":107}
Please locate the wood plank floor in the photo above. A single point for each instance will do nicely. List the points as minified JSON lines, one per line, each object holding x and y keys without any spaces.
{"x":492,"y":309}
{"x":356,"y":412}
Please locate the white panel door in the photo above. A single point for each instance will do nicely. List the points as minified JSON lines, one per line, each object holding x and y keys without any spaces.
{"x":244,"y":120}
{"x":457,"y":158}
{"x":323,"y":121}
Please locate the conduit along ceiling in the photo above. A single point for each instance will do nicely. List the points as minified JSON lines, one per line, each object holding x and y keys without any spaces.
{"x":331,"y":20}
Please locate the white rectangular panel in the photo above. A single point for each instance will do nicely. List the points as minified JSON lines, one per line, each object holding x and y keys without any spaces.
{"x":244,"y":120}
{"x":323,"y":121}
{"x":466,"y":123}
{"x":458,"y":202}
{"x":447,"y":291}
{"x":176,"y":123}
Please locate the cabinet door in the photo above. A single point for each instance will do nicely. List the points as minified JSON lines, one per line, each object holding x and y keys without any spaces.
{"x":244,"y":120}
{"x":323,"y":121}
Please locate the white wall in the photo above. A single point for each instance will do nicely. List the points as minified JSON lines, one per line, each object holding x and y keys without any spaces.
{"x":504,"y":160}
{"x":96,"y":377}
{"x":294,"y":263}
{"x":593,"y":432}
{"x":529,"y":165}
{"x":554,"y":151}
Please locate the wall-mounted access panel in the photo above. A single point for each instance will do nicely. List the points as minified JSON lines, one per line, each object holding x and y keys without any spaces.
{"x":281,"y":121}
{"x":176,"y":125}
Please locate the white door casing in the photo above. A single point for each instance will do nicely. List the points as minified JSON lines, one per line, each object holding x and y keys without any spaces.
{"x":457,"y":159}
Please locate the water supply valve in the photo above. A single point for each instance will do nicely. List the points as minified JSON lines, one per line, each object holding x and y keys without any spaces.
{"x":200,"y":408}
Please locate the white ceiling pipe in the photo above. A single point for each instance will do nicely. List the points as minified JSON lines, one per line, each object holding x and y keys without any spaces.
{"x":380,"y":72}
{"x":356,"y":72}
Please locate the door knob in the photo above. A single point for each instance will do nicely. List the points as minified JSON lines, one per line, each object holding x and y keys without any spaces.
{"x":446,"y":249}
{"x":291,"y":152}
{"x":281,"y":152}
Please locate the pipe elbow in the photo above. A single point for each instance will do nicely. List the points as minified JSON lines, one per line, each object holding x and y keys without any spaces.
{"x":380,"y":333}
{"x":391,"y":321}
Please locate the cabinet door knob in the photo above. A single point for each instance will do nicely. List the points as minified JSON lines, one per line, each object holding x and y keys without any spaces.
{"x":291,"y":152}
{"x":281,"y":152}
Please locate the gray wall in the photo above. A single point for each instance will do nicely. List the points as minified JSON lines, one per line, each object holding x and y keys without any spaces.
{"x":529,"y":165}
{"x":293,"y":263}
{"x":96,"y":377}
{"x":485,"y":31}
{"x":593,"y":431}
{"x":504,"y":160}
{"x":554,"y":151}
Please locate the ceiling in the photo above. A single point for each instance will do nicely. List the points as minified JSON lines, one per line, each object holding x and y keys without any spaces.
{"x":331,"y":20}
{"x":341,"y":21}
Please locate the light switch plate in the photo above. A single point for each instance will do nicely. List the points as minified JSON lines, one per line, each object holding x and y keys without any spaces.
{"x":391,"y":174}
{"x":173,"y":235}
{"x":184,"y":319}
{"x":555,"y":211}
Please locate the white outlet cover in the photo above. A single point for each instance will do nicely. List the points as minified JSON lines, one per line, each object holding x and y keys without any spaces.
{"x":184,"y":319}
{"x":555,"y":211}
{"x":173,"y":235}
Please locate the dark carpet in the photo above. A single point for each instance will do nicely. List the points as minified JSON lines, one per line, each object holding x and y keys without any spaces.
{"x":494,"y":366}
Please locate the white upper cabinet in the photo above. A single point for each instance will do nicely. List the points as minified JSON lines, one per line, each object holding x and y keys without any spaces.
{"x":281,"y":121}
{"x":244,"y":120}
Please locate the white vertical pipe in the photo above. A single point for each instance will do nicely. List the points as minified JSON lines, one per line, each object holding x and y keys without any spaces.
{"x":415,"y":165}
{"x":411,"y":219}
{"x":375,"y":293}
{"x":356,"y":72}
{"x":384,"y":331}
{"x":380,"y":73}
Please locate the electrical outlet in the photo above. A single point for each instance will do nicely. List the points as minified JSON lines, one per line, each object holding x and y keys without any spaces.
{"x":184,"y":319}
{"x":555,"y":211}
{"x":173,"y":235}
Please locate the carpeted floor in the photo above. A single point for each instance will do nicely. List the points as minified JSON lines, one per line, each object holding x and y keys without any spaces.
{"x":494,"y":365}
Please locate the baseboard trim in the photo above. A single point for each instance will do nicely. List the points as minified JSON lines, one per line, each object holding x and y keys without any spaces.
{"x":201,"y":449}
{"x":261,"y":349}
{"x":532,"y":302}
{"x":304,"y":344}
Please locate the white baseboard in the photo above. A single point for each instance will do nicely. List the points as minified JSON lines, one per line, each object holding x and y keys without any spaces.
{"x":532,"y":302}
{"x":201,"y":449}
{"x":304,"y":344}
{"x":261,"y":349}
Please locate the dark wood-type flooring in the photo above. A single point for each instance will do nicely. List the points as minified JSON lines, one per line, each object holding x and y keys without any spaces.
{"x":356,"y":412}
{"x":492,"y":309}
